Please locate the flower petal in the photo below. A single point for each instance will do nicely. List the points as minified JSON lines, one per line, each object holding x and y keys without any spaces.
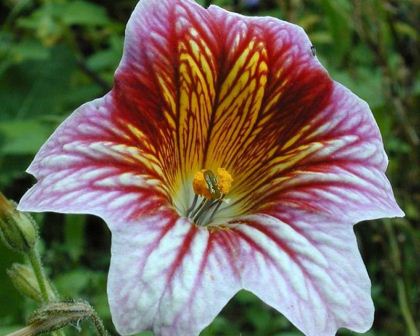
{"x":94,"y":164}
{"x":215,"y":89}
{"x":270,"y":87}
{"x":169,"y":276}
{"x":310,"y":271}
{"x":287,"y":132}
{"x":335,"y":167}
{"x":168,"y":87}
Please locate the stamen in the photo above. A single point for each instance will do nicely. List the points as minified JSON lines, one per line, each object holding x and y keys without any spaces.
{"x":191,"y":208}
{"x":212,"y":188}
{"x":203,"y":202}
{"x":215,"y":210}
{"x":207,"y":204}
{"x":224,"y":180}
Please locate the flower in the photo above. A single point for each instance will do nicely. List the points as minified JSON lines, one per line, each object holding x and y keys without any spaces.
{"x":283,"y":161}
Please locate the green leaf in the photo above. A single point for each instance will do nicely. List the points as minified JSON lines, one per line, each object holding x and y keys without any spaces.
{"x":38,"y":88}
{"x":73,"y":283}
{"x":44,"y":23}
{"x":74,"y":235}
{"x":29,"y":50}
{"x":84,"y":13}
{"x":308,"y":21}
{"x":339,"y":24}
{"x":8,"y":293}
{"x":22,"y":137}
{"x":405,"y":29}
{"x":320,"y":37}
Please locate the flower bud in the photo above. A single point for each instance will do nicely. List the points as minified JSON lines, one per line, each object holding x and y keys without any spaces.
{"x":24,"y":280}
{"x":54,"y":316}
{"x":18,"y":229}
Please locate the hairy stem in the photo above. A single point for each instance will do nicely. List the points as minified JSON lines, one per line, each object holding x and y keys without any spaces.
{"x":35,"y":260}
{"x":36,"y":264}
{"x":99,"y":325}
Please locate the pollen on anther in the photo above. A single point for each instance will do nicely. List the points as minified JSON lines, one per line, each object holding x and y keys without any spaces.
{"x":224,"y":180}
{"x":201,"y":187}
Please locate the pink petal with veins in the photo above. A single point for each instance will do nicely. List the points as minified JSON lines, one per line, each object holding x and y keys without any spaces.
{"x":91,"y":164}
{"x":201,"y":89}
{"x":310,"y":270}
{"x":169,"y":276}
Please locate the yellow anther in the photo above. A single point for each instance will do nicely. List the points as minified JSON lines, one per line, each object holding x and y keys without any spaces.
{"x":212,"y":186}
{"x":224,"y":180}
{"x":200,"y":185}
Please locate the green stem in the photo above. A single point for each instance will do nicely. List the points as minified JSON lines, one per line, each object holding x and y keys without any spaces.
{"x":401,"y":290}
{"x":405,"y":309}
{"x":35,"y":261}
{"x":99,"y":325}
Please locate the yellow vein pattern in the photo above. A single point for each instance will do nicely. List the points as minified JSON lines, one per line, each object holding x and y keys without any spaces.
{"x":197,"y":75}
{"x":240,"y":99}
{"x":203,"y":100}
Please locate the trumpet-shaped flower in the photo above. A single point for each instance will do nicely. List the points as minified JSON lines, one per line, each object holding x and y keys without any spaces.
{"x":223,"y":158}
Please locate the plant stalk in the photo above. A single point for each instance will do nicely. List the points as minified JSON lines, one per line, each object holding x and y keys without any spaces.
{"x":36,"y":264}
{"x":401,"y":288}
{"x":99,"y":325}
{"x":35,"y":260}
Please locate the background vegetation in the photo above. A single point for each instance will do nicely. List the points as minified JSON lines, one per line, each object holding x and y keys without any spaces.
{"x":57,"y":54}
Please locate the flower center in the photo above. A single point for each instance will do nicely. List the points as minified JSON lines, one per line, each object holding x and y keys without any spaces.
{"x":210,"y":189}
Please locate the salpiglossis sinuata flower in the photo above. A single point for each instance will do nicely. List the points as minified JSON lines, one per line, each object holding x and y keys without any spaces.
{"x":223,"y":158}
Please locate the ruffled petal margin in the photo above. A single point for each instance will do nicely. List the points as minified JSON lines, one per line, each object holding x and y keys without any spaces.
{"x":169,"y":276}
{"x":95,"y":164}
{"x":173,"y":278}
{"x":336,"y":166}
{"x":310,"y":271}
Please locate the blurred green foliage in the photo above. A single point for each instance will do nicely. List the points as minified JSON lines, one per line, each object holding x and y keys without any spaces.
{"x":57,"y":54}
